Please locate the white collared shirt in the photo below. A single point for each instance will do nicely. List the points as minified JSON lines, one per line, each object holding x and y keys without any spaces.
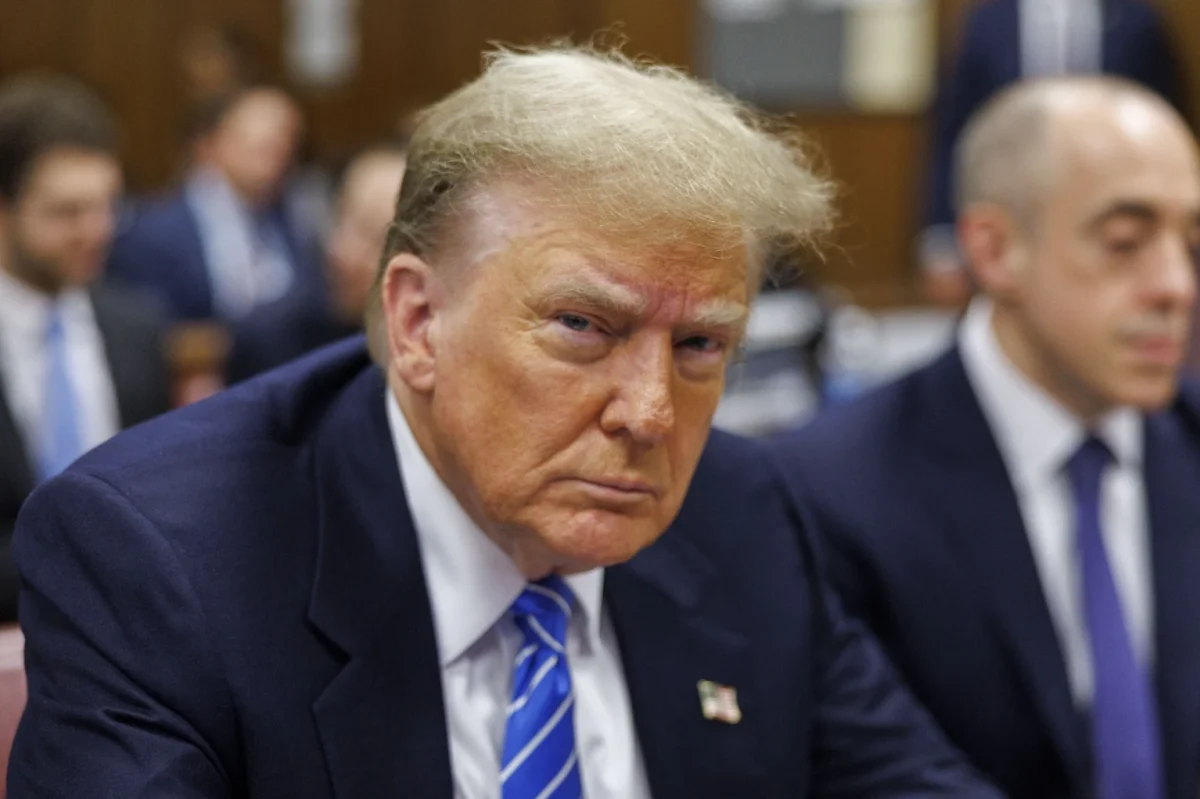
{"x":248,"y":263}
{"x":24,"y":320}
{"x":1059,"y":37}
{"x":1036,"y":437}
{"x":472,"y":584}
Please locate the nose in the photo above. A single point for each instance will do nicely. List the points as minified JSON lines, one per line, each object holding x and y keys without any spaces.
{"x":1174,"y":279}
{"x":642,"y":406}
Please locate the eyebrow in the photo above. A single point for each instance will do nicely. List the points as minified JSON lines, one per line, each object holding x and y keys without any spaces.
{"x":1142,"y":212}
{"x":620,"y":302}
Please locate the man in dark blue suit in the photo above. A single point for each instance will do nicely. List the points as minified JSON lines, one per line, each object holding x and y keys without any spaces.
{"x":1018,"y":521}
{"x":1004,"y":41}
{"x":443,"y":568}
{"x":230,"y":241}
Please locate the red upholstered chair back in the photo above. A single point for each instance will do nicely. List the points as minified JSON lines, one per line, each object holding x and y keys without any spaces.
{"x":12,"y":692}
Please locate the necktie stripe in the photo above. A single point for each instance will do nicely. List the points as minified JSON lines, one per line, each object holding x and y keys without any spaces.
{"x":554,"y":595}
{"x":538,"y":676}
{"x":546,"y":637}
{"x":539,"y":760}
{"x":524,"y":654}
{"x":537,"y":739}
{"x":559,"y":778}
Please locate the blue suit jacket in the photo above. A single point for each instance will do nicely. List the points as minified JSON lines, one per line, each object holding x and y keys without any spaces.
{"x":160,"y":250}
{"x":1134,"y":45}
{"x":229,"y":601}
{"x":927,"y":544}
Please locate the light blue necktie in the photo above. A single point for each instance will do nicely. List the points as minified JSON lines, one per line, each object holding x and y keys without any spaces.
{"x":539,"y":759}
{"x":60,"y":440}
{"x":1125,"y":739}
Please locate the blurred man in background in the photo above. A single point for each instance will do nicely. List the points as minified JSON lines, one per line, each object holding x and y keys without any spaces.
{"x":1004,"y":41}
{"x":1018,"y":521}
{"x":460,"y":562}
{"x":77,"y":361}
{"x":362,"y":211}
{"x":228,"y":243}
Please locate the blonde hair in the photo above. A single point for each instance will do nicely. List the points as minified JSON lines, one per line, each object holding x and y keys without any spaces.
{"x":639,"y":149}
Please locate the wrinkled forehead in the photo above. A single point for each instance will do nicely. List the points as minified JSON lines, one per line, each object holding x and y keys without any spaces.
{"x":539,"y":233}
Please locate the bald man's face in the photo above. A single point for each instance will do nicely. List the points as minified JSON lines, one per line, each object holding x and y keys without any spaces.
{"x":1102,"y":290}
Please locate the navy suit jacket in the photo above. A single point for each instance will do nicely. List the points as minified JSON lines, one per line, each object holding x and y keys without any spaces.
{"x":1134,"y":45}
{"x":926,"y":543}
{"x":229,"y":602}
{"x":159,"y":249}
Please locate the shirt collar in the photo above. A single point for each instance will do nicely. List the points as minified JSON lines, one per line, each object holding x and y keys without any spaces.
{"x":25,"y":310}
{"x":472,"y":583}
{"x":1035,"y":433}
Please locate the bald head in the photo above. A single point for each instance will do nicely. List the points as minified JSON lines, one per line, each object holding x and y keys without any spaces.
{"x":1017,"y":148}
{"x":1079,"y":215}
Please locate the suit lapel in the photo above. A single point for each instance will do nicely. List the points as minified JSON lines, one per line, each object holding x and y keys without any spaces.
{"x":381,"y":719}
{"x":121,"y":356}
{"x":971,"y":494}
{"x":1172,"y":477}
{"x":663,"y":604}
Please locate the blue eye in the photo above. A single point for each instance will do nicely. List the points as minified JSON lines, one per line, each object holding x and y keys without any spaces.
{"x":701,"y":344}
{"x":574,"y":322}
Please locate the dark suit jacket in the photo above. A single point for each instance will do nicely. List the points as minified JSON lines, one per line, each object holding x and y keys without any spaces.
{"x":927,"y":544}
{"x":229,"y":601}
{"x":159,"y":250}
{"x":282,"y":332}
{"x":1135,"y":45}
{"x":132,"y":336}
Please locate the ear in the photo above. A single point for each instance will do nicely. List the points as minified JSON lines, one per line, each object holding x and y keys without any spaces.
{"x":994,"y":247}
{"x":412,"y":298}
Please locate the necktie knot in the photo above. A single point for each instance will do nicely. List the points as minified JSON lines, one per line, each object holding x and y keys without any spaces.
{"x":54,"y":326}
{"x":544,"y":607}
{"x":1087,"y":466}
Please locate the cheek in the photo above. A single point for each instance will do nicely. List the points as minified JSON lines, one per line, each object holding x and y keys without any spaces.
{"x":510,"y":411}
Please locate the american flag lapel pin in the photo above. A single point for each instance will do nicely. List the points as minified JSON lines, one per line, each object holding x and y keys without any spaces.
{"x":719,"y":702}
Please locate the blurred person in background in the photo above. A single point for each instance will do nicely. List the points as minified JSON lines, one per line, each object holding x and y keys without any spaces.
{"x":362,"y":211}
{"x":228,"y":243}
{"x":1018,"y":521}
{"x":78,"y":361}
{"x":1004,"y":41}
{"x":462,"y":557}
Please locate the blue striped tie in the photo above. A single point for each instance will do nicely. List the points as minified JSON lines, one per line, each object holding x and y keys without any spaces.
{"x":60,"y":441}
{"x":539,"y":759}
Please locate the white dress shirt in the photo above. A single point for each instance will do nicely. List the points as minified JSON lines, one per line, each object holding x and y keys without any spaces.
{"x":24,"y":320}
{"x":472,"y":584}
{"x":1059,"y":37}
{"x":1037,"y":437}
{"x":248,"y":263}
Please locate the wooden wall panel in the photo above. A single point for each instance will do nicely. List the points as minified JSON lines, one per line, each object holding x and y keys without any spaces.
{"x":415,"y":50}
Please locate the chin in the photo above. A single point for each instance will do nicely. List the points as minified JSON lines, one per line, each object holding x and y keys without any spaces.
{"x":1151,"y":394}
{"x":601,"y":538}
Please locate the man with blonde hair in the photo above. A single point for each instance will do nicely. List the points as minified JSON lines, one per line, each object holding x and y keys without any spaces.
{"x":463,"y":564}
{"x":1018,"y":520}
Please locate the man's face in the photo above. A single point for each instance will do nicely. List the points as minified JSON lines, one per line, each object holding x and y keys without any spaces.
{"x":59,"y":227}
{"x":576,"y":379}
{"x":1108,"y":279}
{"x":255,"y":146}
{"x":364,"y":210}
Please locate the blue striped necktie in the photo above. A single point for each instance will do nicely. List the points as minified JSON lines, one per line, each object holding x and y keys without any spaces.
{"x":539,"y":759}
{"x":60,"y":442}
{"x":1125,"y":739}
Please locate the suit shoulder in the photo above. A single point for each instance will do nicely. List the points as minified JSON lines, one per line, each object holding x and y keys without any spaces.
{"x":250,"y":423}
{"x":847,"y":431}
